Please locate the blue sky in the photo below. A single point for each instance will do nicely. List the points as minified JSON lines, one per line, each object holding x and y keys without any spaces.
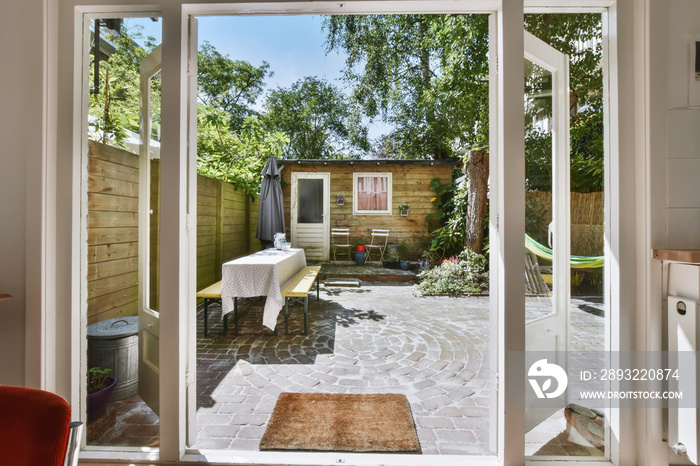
{"x":294,"y":46}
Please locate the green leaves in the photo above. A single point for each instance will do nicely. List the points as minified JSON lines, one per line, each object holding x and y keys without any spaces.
{"x":231,"y":85}
{"x":317,"y":118}
{"x":236,"y":157}
{"x":423,"y":74}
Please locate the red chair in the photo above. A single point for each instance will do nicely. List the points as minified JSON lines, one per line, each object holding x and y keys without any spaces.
{"x":36,"y":428}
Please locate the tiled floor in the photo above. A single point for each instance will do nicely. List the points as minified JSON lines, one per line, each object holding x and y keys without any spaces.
{"x":373,"y":339}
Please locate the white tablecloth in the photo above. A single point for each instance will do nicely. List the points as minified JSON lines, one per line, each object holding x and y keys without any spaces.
{"x":261,"y":274}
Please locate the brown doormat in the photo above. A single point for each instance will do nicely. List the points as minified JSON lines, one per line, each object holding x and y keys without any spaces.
{"x":341,"y":422}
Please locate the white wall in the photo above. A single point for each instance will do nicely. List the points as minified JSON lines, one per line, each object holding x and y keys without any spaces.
{"x":682,"y":128}
{"x":21,"y":35}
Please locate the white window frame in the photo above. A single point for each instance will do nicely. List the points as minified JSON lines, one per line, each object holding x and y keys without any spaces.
{"x":355,"y":198}
{"x":61,"y":304}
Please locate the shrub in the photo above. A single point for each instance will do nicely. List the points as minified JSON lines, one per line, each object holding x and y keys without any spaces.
{"x":462,"y":275}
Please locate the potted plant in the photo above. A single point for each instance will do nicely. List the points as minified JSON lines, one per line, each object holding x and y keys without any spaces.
{"x":404,"y":208}
{"x":392,"y":261}
{"x":340,"y":198}
{"x":360,"y":254}
{"x":360,"y":242}
{"x":402,"y":251}
{"x":99,"y":387}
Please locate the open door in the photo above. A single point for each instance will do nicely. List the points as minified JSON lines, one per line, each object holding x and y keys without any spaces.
{"x":310,"y":214}
{"x":547,"y":110}
{"x":149,"y":251}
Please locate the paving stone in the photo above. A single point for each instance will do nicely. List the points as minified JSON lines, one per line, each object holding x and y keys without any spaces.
{"x":372,"y":340}
{"x":249,"y":419}
{"x":435,"y":422}
{"x":228,"y":431}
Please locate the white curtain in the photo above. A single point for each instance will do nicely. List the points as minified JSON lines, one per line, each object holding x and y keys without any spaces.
{"x":372,"y":193}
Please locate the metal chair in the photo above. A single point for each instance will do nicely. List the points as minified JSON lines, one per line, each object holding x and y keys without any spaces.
{"x":340,"y":239}
{"x":380,"y":238}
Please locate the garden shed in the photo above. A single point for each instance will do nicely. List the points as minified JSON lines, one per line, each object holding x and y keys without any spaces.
{"x":360,"y":195}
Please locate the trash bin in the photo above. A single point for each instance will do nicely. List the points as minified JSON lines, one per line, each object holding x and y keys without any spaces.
{"x":113,"y":344}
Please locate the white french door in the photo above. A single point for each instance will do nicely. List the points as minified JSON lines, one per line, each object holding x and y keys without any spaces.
{"x":310,"y":214}
{"x":149,"y":254}
{"x":547,"y":317}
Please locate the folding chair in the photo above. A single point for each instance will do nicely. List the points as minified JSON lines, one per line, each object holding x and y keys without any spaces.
{"x":377,"y":245}
{"x":340,"y":239}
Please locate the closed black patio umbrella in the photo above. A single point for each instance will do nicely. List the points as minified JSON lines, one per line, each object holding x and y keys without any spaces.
{"x":271,"y":214}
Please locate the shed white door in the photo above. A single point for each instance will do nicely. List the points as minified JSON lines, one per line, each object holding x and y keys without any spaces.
{"x":310,"y":214}
{"x":547,"y":323}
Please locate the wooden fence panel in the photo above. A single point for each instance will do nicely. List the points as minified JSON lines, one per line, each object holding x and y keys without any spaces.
{"x":112,"y":233}
{"x":225,"y":222}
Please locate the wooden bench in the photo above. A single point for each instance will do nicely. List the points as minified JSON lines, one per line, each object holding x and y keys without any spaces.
{"x":210,"y":293}
{"x":297,"y":289}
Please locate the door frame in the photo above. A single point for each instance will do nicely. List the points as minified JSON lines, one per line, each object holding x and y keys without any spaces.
{"x":64,"y":299}
{"x":293,"y":216}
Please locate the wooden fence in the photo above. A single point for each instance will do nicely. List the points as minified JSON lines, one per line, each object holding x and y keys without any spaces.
{"x":226,"y":225}
{"x":587,"y":216}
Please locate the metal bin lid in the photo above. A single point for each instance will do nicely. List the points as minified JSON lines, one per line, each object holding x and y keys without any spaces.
{"x":119,"y":327}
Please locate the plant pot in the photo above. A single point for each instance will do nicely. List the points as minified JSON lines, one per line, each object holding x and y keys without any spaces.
{"x":360,"y":248}
{"x":97,"y":402}
{"x":360,"y":257}
{"x":386,"y":264}
{"x":340,"y":201}
{"x":405,"y":265}
{"x":404,"y":213}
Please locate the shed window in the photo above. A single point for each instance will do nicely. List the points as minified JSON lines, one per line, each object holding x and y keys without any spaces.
{"x":372,"y":193}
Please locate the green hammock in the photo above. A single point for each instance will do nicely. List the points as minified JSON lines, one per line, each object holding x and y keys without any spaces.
{"x":577,"y":262}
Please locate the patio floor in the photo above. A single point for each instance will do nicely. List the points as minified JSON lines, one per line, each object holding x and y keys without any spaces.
{"x":372,"y":339}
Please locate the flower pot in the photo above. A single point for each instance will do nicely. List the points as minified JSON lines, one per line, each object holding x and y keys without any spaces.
{"x":404,"y":213}
{"x":340,"y":201}
{"x":360,"y":248}
{"x":97,"y":402}
{"x":386,"y":264}
{"x":405,"y":265}
{"x":360,"y":257}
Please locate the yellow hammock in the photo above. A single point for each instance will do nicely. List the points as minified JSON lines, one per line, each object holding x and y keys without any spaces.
{"x":577,"y":262}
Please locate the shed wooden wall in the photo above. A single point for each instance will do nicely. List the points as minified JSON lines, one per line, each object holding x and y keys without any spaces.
{"x":226,"y":225}
{"x":411,"y":184}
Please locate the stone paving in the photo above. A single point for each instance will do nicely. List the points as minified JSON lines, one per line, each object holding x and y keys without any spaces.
{"x":372,"y":339}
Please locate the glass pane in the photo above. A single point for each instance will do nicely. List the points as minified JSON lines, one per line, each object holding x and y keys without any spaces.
{"x":117,"y":48}
{"x":538,"y":195}
{"x":154,"y":235}
{"x":310,"y":201}
{"x":372,"y":193}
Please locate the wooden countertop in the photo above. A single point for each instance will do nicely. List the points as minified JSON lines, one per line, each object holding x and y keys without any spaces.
{"x":678,"y":255}
{"x":5,"y":297}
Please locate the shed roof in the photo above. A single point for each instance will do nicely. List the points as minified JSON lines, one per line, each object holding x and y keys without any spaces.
{"x":452,"y":161}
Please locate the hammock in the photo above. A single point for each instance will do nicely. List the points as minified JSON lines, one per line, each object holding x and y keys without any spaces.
{"x":577,"y":262}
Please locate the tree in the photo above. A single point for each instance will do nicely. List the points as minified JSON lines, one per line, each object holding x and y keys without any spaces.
{"x":424,"y":74}
{"x":231,"y":85}
{"x":236,"y":157}
{"x":317,"y":118}
{"x":428,"y":76}
{"x":579,"y":36}
{"x":114,"y":107}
